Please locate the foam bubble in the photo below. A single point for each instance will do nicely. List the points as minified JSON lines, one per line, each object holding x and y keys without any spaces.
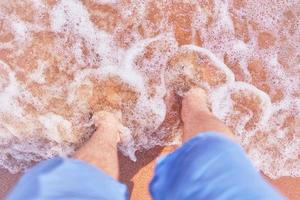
{"x":58,"y":128}
{"x":222,"y":102}
{"x":38,"y":74}
{"x":20,"y":29}
{"x":229,"y":75}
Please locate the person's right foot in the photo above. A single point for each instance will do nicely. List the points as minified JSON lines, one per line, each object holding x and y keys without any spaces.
{"x":193,"y":102}
{"x":197,"y":117}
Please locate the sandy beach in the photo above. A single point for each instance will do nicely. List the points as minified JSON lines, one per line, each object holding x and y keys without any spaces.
{"x":62,"y":61}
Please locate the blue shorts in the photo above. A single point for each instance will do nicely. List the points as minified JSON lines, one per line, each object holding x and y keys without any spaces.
{"x":208,"y":167}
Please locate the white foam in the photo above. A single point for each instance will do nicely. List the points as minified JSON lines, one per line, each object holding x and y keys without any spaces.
{"x":57,"y":127}
{"x":221,"y":98}
{"x":70,"y":20}
{"x":7,"y":101}
{"x":229,"y":74}
{"x":105,"y":1}
{"x":73,"y":15}
{"x":38,"y":74}
{"x":20,"y":29}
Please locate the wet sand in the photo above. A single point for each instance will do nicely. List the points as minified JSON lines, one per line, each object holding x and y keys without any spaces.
{"x":43,"y":46}
{"x":137,"y":176}
{"x":64,"y":60}
{"x":7,"y":181}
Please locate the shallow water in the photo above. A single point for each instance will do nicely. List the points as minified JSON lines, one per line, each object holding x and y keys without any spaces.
{"x":63,"y":60}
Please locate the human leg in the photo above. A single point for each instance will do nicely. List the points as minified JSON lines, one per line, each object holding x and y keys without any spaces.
{"x":91,"y":176}
{"x":210,"y":165}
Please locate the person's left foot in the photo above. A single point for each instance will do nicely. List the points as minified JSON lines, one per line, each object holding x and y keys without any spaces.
{"x":101,"y":150}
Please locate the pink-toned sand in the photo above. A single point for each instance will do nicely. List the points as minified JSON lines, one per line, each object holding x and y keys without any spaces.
{"x":137,"y":176}
{"x":181,"y":17}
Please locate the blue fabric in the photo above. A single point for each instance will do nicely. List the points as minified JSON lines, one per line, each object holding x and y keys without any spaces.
{"x":67,"y":179}
{"x":207,"y":167}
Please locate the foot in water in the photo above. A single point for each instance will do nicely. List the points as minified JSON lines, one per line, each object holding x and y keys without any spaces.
{"x":197,"y":117}
{"x":101,"y":150}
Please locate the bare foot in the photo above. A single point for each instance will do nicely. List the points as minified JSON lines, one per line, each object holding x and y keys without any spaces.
{"x":197,"y":117}
{"x":101,"y":150}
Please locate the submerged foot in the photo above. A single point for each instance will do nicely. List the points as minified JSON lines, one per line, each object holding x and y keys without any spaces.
{"x":197,"y":117}
{"x":101,"y":150}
